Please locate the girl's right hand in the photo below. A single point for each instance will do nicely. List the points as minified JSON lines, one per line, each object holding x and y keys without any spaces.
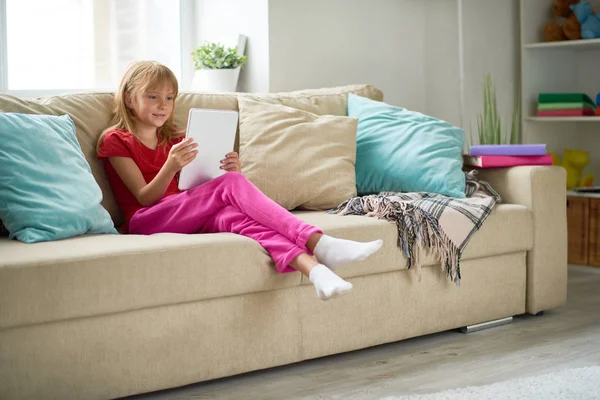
{"x":181,"y":155}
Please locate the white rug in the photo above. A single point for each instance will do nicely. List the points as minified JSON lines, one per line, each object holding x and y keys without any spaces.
{"x":571,"y":384}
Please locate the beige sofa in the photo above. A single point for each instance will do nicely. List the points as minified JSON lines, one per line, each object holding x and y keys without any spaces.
{"x":99,"y":317}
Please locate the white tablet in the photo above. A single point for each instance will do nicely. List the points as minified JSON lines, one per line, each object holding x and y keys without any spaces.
{"x":214,"y":131}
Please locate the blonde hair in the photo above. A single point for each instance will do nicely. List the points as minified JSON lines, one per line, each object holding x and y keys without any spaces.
{"x":139,"y":77}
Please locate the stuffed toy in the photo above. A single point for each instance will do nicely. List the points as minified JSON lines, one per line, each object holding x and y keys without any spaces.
{"x":569,"y":29}
{"x":563,"y":8}
{"x":572,"y":28}
{"x":553,"y":32}
{"x":590,"y":23}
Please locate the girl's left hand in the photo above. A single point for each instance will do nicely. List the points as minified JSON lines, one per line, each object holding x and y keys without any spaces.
{"x":231,"y":162}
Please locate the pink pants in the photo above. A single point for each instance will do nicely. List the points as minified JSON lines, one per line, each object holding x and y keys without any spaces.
{"x":229,"y":203}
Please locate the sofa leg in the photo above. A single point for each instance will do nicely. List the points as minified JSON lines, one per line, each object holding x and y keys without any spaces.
{"x":486,"y":325}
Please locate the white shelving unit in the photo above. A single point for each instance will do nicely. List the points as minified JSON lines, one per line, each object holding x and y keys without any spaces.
{"x":566,"y":66}
{"x":575,"y":44}
{"x":563,"y":119}
{"x":583,"y":194}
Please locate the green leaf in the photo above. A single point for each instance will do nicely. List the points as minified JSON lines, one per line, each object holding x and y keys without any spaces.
{"x":515,"y":131}
{"x":216,"y":56}
{"x":489,"y":123}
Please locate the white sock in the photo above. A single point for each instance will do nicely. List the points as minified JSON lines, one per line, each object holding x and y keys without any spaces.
{"x":327,"y":283}
{"x":334,"y":252}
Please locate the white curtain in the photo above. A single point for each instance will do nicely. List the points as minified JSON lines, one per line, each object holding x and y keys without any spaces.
{"x":87,"y":44}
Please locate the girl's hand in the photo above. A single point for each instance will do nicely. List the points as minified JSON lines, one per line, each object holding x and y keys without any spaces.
{"x":231,"y":162}
{"x":181,"y":155}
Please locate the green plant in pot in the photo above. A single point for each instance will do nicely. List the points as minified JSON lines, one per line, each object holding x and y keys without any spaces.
{"x":217,"y":67}
{"x":489,"y":123}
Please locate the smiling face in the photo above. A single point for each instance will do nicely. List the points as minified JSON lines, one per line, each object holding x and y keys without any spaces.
{"x":152,"y":107}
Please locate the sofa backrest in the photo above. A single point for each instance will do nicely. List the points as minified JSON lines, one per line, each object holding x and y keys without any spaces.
{"x":92,"y":113}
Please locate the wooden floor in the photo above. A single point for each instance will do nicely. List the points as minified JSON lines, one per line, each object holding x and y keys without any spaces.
{"x":568,"y":337}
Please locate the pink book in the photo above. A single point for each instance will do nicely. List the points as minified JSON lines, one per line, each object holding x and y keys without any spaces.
{"x":506,"y":161}
{"x":566,"y":113}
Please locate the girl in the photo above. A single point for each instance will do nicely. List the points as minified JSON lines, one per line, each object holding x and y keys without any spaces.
{"x":144,"y":152}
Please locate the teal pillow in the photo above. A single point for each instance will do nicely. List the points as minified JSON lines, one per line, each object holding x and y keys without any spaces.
{"x":398,"y":150}
{"x":47,"y":190}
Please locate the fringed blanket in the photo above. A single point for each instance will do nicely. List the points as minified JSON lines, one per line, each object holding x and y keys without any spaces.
{"x":441,"y":224}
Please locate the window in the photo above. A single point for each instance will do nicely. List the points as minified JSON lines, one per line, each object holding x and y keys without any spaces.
{"x":71,"y":45}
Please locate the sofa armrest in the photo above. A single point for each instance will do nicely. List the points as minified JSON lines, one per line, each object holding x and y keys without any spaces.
{"x":543,"y":191}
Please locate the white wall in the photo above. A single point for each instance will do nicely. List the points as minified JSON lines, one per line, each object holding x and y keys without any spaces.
{"x":222,"y":21}
{"x":491,"y":45}
{"x":407,"y":48}
{"x":190,"y":15}
{"x":316,"y":43}
{"x":441,"y":61}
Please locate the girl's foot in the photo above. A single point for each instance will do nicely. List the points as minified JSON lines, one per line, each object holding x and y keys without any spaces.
{"x":327,"y":283}
{"x":335,"y":252}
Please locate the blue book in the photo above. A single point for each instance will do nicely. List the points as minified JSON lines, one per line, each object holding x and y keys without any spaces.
{"x":508,"y":150}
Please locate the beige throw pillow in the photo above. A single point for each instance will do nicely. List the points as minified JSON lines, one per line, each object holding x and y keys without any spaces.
{"x":298,"y":159}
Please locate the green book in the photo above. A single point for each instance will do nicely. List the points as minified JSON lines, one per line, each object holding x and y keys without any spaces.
{"x":565,"y":98}
{"x":564,"y":106}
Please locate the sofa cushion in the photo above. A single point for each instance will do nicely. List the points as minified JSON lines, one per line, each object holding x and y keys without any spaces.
{"x":102,"y":274}
{"x":326,"y":101}
{"x":47,"y":190}
{"x":297,"y":158}
{"x":399,"y":150}
{"x":92,"y":113}
{"x":105,"y":274}
{"x":508,"y":229}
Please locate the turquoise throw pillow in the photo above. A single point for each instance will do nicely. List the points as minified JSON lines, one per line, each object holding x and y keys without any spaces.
{"x":398,"y":150}
{"x":47,"y":190}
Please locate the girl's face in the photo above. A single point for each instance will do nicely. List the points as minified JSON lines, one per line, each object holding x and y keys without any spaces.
{"x":153,"y":107}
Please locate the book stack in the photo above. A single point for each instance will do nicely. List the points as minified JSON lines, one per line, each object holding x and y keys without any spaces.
{"x":598,"y":105}
{"x":507,"y":155}
{"x":565,"y":105}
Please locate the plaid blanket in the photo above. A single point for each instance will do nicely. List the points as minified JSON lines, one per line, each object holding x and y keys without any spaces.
{"x":441,"y":224}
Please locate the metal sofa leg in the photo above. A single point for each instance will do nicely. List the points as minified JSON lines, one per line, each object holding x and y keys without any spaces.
{"x":486,"y":325}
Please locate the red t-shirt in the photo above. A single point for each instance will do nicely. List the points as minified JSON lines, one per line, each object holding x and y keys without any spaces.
{"x":119,"y":143}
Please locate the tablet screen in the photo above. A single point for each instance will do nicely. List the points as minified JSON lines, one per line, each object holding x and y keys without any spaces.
{"x":214,"y":131}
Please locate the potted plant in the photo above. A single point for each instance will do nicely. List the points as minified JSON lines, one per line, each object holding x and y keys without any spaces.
{"x":217,"y":68}
{"x":489,"y":123}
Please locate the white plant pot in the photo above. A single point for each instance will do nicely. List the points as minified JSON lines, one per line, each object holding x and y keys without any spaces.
{"x":215,"y":80}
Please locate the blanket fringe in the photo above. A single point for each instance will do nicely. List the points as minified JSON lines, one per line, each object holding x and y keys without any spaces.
{"x":416,"y":231}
